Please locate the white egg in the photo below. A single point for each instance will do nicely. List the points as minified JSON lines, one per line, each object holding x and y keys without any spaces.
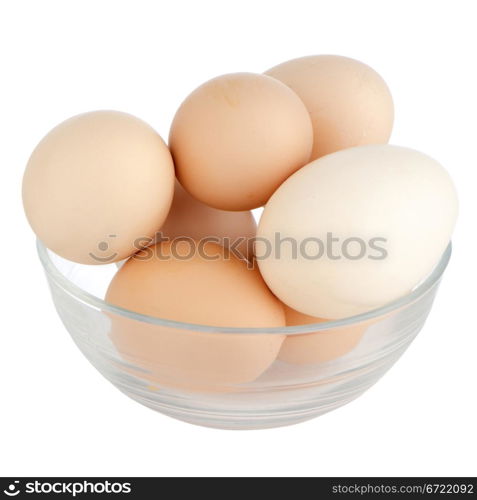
{"x":355,"y":229}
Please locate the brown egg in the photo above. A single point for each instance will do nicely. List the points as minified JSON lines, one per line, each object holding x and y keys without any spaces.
{"x":237,"y":137}
{"x":349,"y":103}
{"x":95,"y":184}
{"x":321,"y":346}
{"x":190,"y":218}
{"x":171,"y":283}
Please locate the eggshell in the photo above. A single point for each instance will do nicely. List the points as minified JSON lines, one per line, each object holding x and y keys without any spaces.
{"x":189,"y":217}
{"x":349,"y":103}
{"x":214,"y":291}
{"x":391,"y":211}
{"x":237,"y":137}
{"x":321,"y":346}
{"x":95,"y":184}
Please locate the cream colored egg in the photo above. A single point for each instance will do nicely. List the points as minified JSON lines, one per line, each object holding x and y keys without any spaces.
{"x":237,"y":137}
{"x":349,"y":103}
{"x":190,"y":218}
{"x":97,"y":183}
{"x":321,"y":346}
{"x":169,"y":281}
{"x":355,"y":229}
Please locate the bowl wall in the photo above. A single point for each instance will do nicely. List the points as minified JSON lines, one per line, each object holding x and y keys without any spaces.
{"x":226,"y":378}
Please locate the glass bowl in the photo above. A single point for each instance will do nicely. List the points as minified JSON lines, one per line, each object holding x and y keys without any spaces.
{"x":209,"y":375}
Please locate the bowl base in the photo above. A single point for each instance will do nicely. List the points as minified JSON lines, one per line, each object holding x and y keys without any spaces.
{"x":238,"y":420}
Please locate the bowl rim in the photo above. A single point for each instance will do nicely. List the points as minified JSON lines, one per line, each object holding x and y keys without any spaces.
{"x":74,"y":290}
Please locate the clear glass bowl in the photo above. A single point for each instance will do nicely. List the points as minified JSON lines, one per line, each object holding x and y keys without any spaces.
{"x":175,"y":368}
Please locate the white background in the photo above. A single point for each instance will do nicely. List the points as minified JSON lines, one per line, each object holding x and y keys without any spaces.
{"x":58,"y":416}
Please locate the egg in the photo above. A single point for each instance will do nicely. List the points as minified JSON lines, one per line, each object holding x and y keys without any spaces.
{"x":319,"y":347}
{"x":237,"y":137}
{"x":349,"y":103}
{"x":96,"y":184}
{"x":176,"y":281}
{"x":355,"y":230}
{"x":189,"y":217}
